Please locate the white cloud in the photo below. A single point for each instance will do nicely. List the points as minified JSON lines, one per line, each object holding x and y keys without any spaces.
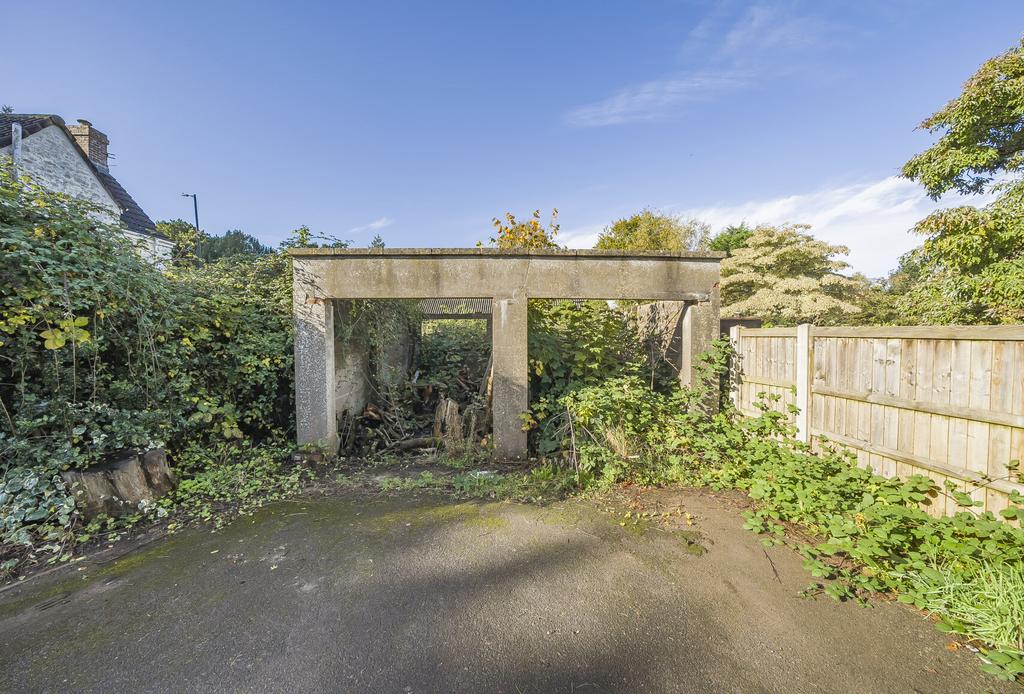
{"x":872,"y":219}
{"x":763,"y":28}
{"x":580,"y":237}
{"x":372,"y":226}
{"x":650,"y":101}
{"x":728,"y":52}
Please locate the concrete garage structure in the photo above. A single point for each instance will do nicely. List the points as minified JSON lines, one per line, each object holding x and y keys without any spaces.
{"x":509,"y":279}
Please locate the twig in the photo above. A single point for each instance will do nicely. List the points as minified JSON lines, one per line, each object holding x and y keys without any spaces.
{"x":572,"y":440}
{"x":7,"y":414}
{"x":774,"y":570}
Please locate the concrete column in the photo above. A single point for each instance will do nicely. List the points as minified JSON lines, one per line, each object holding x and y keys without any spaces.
{"x":699,"y":329}
{"x":510,"y":389}
{"x":351,"y":363}
{"x":315,"y":418}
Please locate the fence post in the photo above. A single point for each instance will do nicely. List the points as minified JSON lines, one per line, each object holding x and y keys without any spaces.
{"x":804,"y":375}
{"x":734,"y":367}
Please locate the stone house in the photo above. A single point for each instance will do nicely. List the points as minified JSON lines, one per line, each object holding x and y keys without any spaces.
{"x":73,"y":160}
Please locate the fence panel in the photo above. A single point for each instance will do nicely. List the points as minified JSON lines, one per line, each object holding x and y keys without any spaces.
{"x":768,"y":362}
{"x":943,"y":401}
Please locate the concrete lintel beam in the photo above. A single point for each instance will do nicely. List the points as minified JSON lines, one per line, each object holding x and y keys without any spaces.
{"x":655,"y":278}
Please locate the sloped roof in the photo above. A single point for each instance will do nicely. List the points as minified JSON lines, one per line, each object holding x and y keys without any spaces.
{"x":133,"y":217}
{"x":30,"y":123}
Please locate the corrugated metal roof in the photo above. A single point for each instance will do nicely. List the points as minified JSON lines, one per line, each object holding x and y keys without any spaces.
{"x":455,"y":307}
{"x":464,"y":307}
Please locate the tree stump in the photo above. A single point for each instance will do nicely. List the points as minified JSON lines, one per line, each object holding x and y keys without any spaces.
{"x":158,"y":475}
{"x":448,"y":425}
{"x":118,"y":486}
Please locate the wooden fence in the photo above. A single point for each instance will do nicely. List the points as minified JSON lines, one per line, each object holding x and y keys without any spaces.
{"x":946,"y":402}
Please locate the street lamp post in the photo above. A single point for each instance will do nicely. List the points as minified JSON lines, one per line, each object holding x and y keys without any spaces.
{"x":195,"y":209}
{"x":195,"y":206}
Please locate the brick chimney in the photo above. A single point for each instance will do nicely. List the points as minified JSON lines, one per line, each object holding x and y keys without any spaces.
{"x":92,"y":142}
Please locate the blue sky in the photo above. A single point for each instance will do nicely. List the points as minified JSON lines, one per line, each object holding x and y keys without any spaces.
{"x":422,"y":121}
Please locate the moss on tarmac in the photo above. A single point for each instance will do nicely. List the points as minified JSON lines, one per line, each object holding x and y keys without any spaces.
{"x":414,"y":592}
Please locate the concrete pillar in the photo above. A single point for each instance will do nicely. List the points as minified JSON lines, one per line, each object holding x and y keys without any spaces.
{"x":315,"y":418}
{"x":699,"y":329}
{"x":351,"y":363}
{"x":510,"y":388}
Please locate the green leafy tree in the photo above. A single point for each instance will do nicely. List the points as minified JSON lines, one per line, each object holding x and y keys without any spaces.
{"x":730,"y":238}
{"x":304,"y":237}
{"x":970,"y":268}
{"x":185,"y":237}
{"x":233,"y":242}
{"x":512,"y":233}
{"x":786,"y":276}
{"x":982,"y":131}
{"x":655,"y":231}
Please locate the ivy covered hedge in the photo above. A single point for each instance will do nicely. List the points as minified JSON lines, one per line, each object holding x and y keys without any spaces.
{"x":102,"y":350}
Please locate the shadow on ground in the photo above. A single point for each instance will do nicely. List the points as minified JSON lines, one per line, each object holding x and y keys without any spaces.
{"x":420,"y":594}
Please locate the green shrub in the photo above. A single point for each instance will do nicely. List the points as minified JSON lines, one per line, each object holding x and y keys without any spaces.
{"x":101,"y":350}
{"x":572,"y":347}
{"x":453,"y":356}
{"x":232,"y":477}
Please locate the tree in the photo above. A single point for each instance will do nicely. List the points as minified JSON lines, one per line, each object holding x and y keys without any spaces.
{"x":655,"y":231}
{"x":183,"y":235}
{"x":513,"y":233}
{"x":970,"y":268}
{"x":983,"y":131}
{"x":304,"y":237}
{"x":786,"y":276}
{"x":233,"y":242}
{"x":730,"y":238}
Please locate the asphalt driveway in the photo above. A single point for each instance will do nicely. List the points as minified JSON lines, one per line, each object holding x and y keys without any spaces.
{"x":417,"y":593}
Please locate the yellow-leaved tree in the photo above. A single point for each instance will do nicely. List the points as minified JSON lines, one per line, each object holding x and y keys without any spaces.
{"x":655,"y":231}
{"x":528,"y":233}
